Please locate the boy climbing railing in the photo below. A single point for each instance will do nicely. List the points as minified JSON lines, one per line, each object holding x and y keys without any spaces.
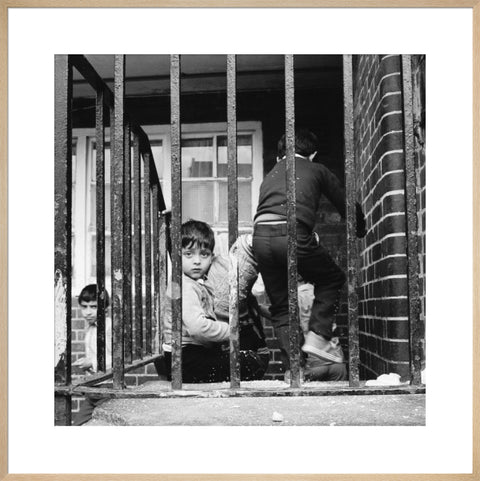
{"x":140,"y":248}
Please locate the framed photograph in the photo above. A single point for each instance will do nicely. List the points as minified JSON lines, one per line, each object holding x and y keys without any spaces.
{"x":236,"y":199}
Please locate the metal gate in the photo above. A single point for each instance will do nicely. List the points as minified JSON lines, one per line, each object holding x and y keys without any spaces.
{"x":129,"y":333}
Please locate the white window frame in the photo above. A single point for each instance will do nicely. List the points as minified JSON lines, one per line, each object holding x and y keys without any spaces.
{"x":253,"y":128}
{"x":83,"y":137}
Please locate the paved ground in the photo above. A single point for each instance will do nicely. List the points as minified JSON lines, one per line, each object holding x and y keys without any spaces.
{"x":325,"y":410}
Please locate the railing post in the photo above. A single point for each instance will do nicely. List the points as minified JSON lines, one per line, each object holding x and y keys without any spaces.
{"x":292,"y":223}
{"x":118,"y":222}
{"x":352,"y":249}
{"x":414,"y":303}
{"x":137,"y":246}
{"x":162,"y":267}
{"x":127,"y":248}
{"x":233,"y":219}
{"x":176,"y":223}
{"x":148,"y":251}
{"x":100,"y":227}
{"x":156,"y":263}
{"x":63,"y":227}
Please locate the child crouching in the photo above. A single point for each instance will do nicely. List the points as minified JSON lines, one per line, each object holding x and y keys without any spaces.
{"x":205,"y":354}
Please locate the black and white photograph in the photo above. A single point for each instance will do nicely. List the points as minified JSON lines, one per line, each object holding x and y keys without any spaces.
{"x":245,"y":229}
{"x":214,"y":255}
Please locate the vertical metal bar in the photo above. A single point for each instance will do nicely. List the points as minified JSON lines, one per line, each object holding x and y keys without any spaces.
{"x":162,"y":266}
{"x":63,"y":221}
{"x":100,"y":227}
{"x":117,"y":222}
{"x":233,"y":219}
{"x":127,"y":248}
{"x":352,"y":250}
{"x":176,"y":223}
{"x":148,"y":252}
{"x":292,"y":222}
{"x":414,"y":302}
{"x":156,"y":264}
{"x":232,"y":151}
{"x":137,"y":246}
{"x":112,"y":156}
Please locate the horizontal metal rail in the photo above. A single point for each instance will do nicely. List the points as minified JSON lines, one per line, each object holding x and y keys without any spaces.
{"x":101,"y":377}
{"x":329,"y":388}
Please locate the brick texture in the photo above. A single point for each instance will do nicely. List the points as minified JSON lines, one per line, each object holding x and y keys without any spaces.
{"x":133,"y":378}
{"x":383,"y":303}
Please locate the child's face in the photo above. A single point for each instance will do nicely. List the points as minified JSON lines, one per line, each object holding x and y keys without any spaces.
{"x":89,"y":311}
{"x":196,"y":261}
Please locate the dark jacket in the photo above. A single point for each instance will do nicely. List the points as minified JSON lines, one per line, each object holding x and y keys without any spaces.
{"x":313,"y":181}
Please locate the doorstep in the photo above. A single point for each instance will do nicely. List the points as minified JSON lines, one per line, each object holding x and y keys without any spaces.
{"x":216,"y":405}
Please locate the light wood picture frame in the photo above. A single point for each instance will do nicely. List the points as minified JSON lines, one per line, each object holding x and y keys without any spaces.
{"x":6,"y":5}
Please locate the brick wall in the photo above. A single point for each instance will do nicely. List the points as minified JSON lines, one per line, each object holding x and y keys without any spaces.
{"x":133,"y":378}
{"x":383,"y":303}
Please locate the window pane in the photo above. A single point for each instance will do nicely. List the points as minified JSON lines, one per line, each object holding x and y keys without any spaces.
{"x":74,"y":159}
{"x":157,"y":151}
{"x":244,"y":202}
{"x":197,"y":201}
{"x":197,"y":157}
{"x":244,"y":156}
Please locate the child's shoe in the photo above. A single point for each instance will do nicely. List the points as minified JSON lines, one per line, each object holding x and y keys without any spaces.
{"x":318,"y":346}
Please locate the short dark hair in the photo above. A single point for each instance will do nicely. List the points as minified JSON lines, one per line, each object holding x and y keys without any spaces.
{"x":306,"y":143}
{"x":89,"y":294}
{"x":197,"y":233}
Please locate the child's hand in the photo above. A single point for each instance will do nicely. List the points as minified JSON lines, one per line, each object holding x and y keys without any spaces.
{"x":78,"y":362}
{"x":167,"y":213}
{"x":84,"y":364}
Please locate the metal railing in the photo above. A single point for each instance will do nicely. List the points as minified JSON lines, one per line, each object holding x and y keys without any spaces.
{"x":132,"y":341}
{"x":132,"y":329}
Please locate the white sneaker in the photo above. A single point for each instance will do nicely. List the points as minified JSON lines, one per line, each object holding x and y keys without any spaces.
{"x":318,"y":346}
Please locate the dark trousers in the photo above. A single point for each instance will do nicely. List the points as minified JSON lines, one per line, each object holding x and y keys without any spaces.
{"x":314,"y":264}
{"x":212,"y":364}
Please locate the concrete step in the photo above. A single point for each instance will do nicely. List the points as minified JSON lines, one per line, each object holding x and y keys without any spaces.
{"x":312,"y":410}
